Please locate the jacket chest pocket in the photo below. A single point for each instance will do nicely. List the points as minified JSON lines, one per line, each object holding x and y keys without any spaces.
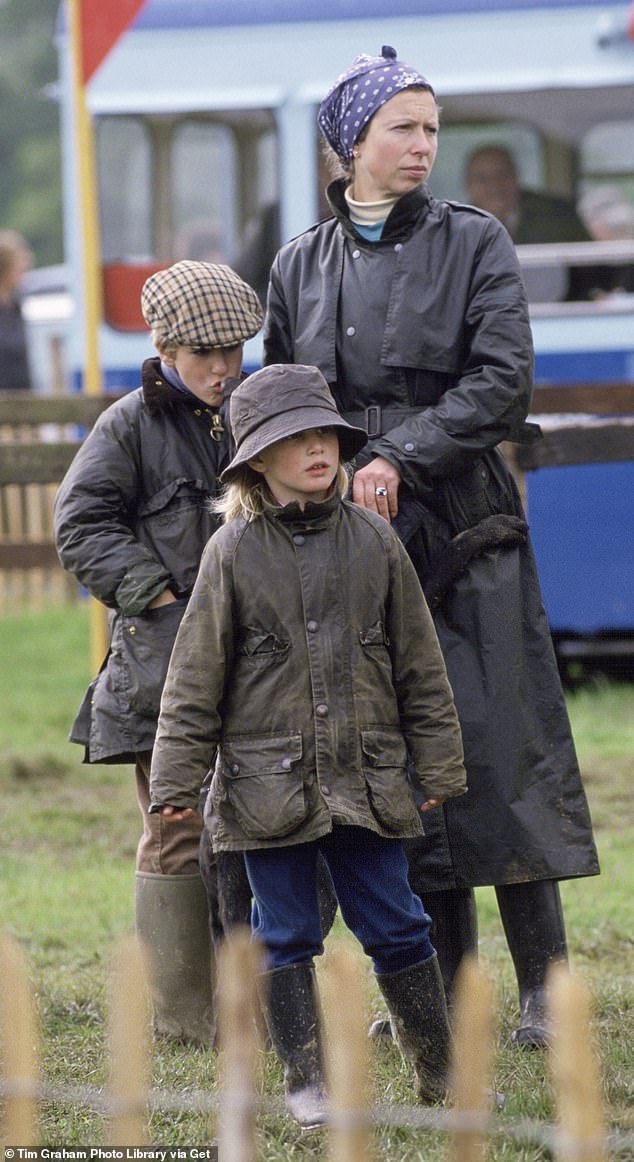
{"x":259,"y":784}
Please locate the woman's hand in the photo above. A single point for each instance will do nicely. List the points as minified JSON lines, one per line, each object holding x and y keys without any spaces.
{"x":375,"y":486}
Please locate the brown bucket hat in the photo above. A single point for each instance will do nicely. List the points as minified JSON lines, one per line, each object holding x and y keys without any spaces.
{"x":280,"y":401}
{"x":201,"y":304}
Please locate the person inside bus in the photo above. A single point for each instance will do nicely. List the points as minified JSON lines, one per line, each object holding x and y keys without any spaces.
{"x":492,"y":183}
{"x":415,"y":312}
{"x":609,"y":217}
{"x":15,"y":261}
{"x":132,"y":517}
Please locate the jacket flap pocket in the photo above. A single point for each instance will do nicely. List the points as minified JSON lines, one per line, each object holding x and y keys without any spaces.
{"x":162,"y":499}
{"x":384,"y":746}
{"x":266,"y":754}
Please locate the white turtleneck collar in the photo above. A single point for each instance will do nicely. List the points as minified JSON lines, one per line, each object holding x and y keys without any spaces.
{"x":368,"y":213}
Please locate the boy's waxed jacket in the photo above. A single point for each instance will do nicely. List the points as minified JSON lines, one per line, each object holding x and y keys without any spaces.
{"x":132,"y":518}
{"x":307,"y":667}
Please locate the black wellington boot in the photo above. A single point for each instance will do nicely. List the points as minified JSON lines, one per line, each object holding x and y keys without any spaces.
{"x":453,"y":933}
{"x":416,"y":1000}
{"x":289,"y":1001}
{"x":454,"y":930}
{"x":533,"y":922}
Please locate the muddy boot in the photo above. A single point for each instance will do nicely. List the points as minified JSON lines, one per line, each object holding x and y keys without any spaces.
{"x":172,"y":922}
{"x":533,"y":923}
{"x":454,"y":933}
{"x":289,"y":1001}
{"x":416,"y":1001}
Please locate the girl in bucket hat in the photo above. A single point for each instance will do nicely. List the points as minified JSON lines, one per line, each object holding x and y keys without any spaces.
{"x":132,"y":518}
{"x":306,"y":671}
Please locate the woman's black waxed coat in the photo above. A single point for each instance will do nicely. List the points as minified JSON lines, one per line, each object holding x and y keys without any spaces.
{"x":429,"y":329}
{"x":132,"y":519}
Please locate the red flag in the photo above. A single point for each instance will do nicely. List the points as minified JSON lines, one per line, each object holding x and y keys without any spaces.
{"x":102,"y":22}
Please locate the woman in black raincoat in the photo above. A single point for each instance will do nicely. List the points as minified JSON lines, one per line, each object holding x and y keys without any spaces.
{"x":415,"y":312}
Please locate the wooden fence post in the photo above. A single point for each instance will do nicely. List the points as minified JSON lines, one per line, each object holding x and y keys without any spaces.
{"x":18,"y":1026}
{"x":129,"y":1047}
{"x":581,"y":1135}
{"x":239,"y":964}
{"x":348,"y":1056}
{"x":472,"y":1061}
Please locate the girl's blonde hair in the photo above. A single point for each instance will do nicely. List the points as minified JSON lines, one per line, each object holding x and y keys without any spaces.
{"x":248,"y":495}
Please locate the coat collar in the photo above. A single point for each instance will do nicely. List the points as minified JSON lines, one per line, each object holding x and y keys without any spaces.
{"x":404,"y":216}
{"x":158,"y":394}
{"x":160,"y":397}
{"x":309,"y":519}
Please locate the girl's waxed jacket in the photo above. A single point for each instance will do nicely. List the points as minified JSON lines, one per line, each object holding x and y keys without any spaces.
{"x":308,"y":665}
{"x":131,"y":519}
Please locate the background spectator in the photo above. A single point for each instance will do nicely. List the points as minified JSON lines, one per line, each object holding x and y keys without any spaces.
{"x":493,"y":184}
{"x":15,"y":260}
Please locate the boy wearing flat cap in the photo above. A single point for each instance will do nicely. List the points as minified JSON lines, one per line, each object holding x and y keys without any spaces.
{"x":306,"y":671}
{"x":132,"y":517}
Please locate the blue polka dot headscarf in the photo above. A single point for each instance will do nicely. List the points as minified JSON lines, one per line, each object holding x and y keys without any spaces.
{"x":359,"y":92}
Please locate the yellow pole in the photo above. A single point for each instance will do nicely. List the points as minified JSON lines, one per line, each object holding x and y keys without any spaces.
{"x":91,"y":251}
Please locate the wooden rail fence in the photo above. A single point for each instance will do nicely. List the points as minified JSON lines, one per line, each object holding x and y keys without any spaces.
{"x":578,"y":1135}
{"x":39,"y":434}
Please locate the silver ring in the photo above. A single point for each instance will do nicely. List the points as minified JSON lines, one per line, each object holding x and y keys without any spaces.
{"x":380,"y":491}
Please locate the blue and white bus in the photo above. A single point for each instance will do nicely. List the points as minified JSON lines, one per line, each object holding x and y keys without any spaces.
{"x":204,"y":115}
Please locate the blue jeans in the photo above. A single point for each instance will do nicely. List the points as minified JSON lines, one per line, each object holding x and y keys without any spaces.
{"x":369,"y":874}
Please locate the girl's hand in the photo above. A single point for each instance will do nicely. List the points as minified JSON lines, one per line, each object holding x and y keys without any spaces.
{"x":177,"y":814}
{"x":429,"y":804}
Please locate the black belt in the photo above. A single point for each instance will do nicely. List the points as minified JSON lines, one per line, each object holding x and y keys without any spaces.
{"x":378,"y":420}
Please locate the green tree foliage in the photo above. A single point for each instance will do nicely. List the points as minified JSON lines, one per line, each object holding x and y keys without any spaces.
{"x":30,"y":177}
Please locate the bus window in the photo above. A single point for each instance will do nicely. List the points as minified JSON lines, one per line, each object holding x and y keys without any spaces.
{"x":204,"y":195}
{"x":607,"y":180}
{"x":124,"y":169}
{"x":606,"y":205}
{"x":171,"y":187}
{"x":458,"y":142}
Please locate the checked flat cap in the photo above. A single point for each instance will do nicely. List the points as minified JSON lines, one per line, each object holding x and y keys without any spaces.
{"x":201,"y":304}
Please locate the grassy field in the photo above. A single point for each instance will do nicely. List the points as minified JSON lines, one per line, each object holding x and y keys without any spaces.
{"x":66,"y":879}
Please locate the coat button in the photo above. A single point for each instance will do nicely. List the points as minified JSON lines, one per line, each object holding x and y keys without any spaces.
{"x":356,"y":253}
{"x":321,"y":709}
{"x":132,"y":630}
{"x":235,"y":769}
{"x":299,"y":539}
{"x":409,"y":447}
{"x":325,"y":790}
{"x":351,"y":331}
{"x":286,"y":764}
{"x":312,"y":626}
{"x":398,"y":246}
